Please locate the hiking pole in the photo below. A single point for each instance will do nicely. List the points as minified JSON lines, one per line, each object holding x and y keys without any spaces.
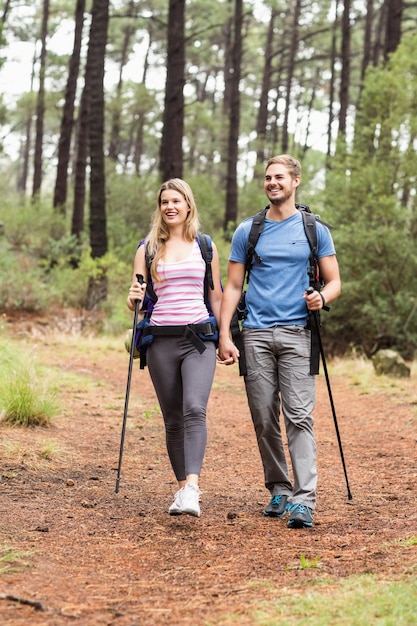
{"x":129,"y":378}
{"x":317,"y":325}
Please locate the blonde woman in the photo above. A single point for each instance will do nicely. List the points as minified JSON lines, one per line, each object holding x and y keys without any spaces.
{"x":182,"y":375}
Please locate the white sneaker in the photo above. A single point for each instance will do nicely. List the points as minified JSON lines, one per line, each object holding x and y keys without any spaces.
{"x":186,"y":500}
{"x":175,"y":508}
{"x":190,"y":498}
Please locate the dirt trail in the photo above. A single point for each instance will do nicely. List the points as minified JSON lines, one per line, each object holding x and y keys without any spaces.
{"x":120,"y":559}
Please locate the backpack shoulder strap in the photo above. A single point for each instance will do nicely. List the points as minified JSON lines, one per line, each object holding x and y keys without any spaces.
{"x":310,"y":229}
{"x":148,"y":260}
{"x":255,"y":232}
{"x":309,"y":221}
{"x":206,"y":249}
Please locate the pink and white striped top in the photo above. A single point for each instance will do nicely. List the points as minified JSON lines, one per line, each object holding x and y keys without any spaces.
{"x":181,"y":291}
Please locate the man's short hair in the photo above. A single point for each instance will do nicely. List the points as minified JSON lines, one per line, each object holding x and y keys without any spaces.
{"x":292,"y":165}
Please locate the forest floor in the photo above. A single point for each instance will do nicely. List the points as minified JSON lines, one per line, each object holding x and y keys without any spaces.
{"x":91,"y":556}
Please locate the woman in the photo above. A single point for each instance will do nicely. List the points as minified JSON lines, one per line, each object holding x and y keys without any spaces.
{"x":181,"y":374}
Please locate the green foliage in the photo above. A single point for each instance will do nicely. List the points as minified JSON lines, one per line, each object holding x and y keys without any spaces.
{"x":305,"y":563}
{"x":210,"y":201}
{"x":371,"y":193}
{"x":22,"y":290}
{"x":130,"y":204}
{"x":43,"y":268}
{"x":26,"y":398}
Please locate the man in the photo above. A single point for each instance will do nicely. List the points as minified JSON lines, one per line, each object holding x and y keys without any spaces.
{"x":277,"y":342}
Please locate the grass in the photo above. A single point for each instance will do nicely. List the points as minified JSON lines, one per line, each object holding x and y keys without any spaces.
{"x":35,"y":454}
{"x":361,"y":375}
{"x":356,"y":601}
{"x":12,"y":560}
{"x":152,"y":412}
{"x":26,"y":396}
{"x":411,"y":541}
{"x":305,"y":563}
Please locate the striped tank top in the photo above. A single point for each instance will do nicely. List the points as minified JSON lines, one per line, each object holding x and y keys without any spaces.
{"x":181,"y":291}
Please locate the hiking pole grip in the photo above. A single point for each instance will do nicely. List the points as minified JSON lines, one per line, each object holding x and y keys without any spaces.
{"x":310,"y":290}
{"x":315,"y":316}
{"x":129,"y":378}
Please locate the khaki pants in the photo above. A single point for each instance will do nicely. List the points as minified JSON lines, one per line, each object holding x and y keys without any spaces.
{"x":278,"y":378}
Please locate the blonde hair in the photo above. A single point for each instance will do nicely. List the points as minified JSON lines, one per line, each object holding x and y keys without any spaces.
{"x":159,"y":232}
{"x":292,"y":165}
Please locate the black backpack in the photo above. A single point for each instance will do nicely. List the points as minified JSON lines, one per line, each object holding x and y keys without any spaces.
{"x":309,"y":221}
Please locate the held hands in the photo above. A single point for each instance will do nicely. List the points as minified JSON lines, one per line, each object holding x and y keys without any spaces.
{"x":227,"y":353}
{"x":136,"y":292}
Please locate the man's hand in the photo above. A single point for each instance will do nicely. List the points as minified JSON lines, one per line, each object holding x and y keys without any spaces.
{"x":313,"y":299}
{"x":227,"y":353}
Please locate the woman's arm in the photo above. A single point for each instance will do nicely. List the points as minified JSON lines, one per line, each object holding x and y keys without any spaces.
{"x":137,"y":290}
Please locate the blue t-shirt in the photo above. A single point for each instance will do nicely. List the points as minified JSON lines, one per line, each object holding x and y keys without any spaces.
{"x":275,"y":295}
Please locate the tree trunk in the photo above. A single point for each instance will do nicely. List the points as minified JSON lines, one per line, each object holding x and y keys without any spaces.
{"x":345,"y":78}
{"x":67,"y":122}
{"x":333,"y":59}
{"x":275,"y":118}
{"x":97,"y":289}
{"x":379,"y":39}
{"x":26,"y":147}
{"x":367,"y":43}
{"x":40,"y":106}
{"x":77,"y":225}
{"x":262,"y":118}
{"x":314,"y":87}
{"x":393,"y":27}
{"x":290,"y":74}
{"x":6,"y":8}
{"x":138,"y":127}
{"x":171,"y":153}
{"x":114,"y":146}
{"x":234,"y":124}
{"x":228,"y":63}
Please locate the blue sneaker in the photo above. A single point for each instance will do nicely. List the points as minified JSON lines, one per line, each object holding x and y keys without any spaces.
{"x":301,"y":516}
{"x":277,"y":507}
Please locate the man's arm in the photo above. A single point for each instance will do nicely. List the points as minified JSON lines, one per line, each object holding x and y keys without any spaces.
{"x":329,"y":271}
{"x":228,"y":353}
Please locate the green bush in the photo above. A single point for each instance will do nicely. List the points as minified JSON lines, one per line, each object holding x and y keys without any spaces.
{"x":26,"y":398}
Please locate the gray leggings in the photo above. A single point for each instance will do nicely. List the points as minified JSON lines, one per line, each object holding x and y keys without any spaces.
{"x":182,"y":378}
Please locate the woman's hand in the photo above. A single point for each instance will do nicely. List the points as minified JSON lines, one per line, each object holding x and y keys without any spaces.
{"x":136,"y":292}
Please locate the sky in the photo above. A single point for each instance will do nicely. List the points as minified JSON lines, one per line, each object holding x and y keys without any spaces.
{"x":15,"y":74}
